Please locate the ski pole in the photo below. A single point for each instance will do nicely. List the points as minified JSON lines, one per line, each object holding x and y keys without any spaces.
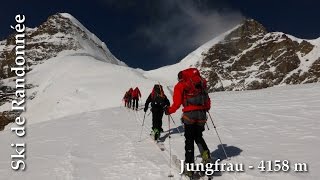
{"x":170,"y":175}
{"x":207,"y":126}
{"x":218,"y":136}
{"x":175,"y":124}
{"x":144,"y":117}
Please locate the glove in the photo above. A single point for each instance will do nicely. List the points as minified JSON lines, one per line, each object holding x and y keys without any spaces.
{"x":145,"y":109}
{"x":166,"y":110}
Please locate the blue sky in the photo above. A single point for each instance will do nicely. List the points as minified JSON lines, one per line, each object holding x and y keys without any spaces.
{"x":150,"y":34}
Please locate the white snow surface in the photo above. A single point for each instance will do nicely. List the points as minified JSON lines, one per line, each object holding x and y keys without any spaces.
{"x":73,"y":84}
{"x":272,"y":124}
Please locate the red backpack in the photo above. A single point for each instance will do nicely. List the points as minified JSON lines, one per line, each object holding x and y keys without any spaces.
{"x":136,"y":92}
{"x":130,"y":93}
{"x":195,"y":92}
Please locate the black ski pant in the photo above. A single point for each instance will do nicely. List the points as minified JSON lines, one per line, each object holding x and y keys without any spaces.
{"x":135,"y":103}
{"x":193,"y":133}
{"x":157,"y":115}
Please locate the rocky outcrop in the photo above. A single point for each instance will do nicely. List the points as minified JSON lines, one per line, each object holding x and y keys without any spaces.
{"x":7,"y":117}
{"x":251,"y":58}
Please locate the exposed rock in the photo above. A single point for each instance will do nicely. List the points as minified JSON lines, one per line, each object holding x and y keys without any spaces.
{"x":252,"y":58}
{"x":7,"y":117}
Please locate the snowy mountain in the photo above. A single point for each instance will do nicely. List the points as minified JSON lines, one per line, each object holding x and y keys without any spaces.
{"x":249,"y":57}
{"x":60,"y":36}
{"x":71,"y":72}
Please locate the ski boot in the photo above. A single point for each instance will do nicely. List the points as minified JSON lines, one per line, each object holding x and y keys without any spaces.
{"x":189,"y":174}
{"x":206,"y":158}
{"x":156,"y":134}
{"x":192,"y":175}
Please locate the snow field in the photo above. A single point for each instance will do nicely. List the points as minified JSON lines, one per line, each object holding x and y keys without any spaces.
{"x":276,"y":123}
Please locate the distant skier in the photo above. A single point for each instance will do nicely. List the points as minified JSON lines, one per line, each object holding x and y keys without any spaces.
{"x":126,"y":98}
{"x":191,"y":92}
{"x":130,"y":97}
{"x":135,"y":98}
{"x":158,"y":101}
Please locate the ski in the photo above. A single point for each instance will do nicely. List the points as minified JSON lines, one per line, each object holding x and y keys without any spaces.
{"x":139,"y":109}
{"x":160,"y":144}
{"x":177,"y":163}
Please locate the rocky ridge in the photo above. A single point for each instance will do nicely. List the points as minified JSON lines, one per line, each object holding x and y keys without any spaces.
{"x":252,"y":58}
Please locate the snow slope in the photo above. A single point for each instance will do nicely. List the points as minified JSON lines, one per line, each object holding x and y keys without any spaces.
{"x":73,"y":84}
{"x":275,"y":123}
{"x":169,"y":73}
{"x":83,"y":79}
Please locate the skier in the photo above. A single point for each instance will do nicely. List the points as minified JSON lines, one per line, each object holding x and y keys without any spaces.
{"x":191,"y":92}
{"x":135,"y":98}
{"x":158,"y":101}
{"x":125,"y":99}
{"x":130,"y":97}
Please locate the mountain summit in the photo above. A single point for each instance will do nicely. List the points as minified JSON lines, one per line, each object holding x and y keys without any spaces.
{"x":61,"y":34}
{"x":249,"y":57}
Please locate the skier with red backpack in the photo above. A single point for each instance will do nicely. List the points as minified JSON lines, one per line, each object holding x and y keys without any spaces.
{"x":158,"y":101}
{"x":135,"y":98}
{"x":191,"y":93}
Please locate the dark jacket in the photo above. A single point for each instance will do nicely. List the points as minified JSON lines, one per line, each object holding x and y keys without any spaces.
{"x":157,"y":107}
